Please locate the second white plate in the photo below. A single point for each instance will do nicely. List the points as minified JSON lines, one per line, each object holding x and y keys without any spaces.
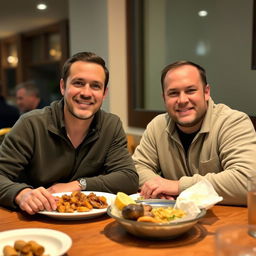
{"x":55,"y":242}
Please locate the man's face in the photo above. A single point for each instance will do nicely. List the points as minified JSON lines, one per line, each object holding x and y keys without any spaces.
{"x":186,"y":97}
{"x":84,"y":90}
{"x":24,"y":101}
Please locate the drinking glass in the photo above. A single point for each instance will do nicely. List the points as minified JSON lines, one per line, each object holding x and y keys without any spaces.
{"x":235,"y":240}
{"x":251,"y":203}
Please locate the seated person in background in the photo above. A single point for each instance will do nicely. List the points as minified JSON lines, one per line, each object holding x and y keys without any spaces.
{"x":195,"y":139}
{"x":8,"y":114}
{"x":71,"y":145}
{"x":28,"y":97}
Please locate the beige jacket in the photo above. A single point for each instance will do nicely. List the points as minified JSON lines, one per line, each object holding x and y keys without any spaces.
{"x":223,"y":152}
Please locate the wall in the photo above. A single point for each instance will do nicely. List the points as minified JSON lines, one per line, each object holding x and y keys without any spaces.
{"x":155,"y":51}
{"x":89,"y":29}
{"x":118,"y":62}
{"x":100,"y":26}
{"x":221,"y":42}
{"x":227,"y":34}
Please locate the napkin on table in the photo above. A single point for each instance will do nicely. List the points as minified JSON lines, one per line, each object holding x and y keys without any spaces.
{"x":200,"y":195}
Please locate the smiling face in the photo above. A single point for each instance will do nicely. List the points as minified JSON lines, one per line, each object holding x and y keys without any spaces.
{"x":186,"y":97}
{"x":84,"y":90}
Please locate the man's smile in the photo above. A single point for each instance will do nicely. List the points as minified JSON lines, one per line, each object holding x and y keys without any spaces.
{"x":84,"y":102}
{"x":184,"y":110}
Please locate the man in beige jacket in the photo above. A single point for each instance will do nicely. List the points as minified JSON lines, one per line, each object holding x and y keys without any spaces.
{"x":195,"y":139}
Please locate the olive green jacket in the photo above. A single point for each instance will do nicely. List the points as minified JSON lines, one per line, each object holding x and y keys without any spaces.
{"x":223,"y":152}
{"x":37,"y":152}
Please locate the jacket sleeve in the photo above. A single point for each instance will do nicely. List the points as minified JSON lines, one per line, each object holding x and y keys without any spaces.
{"x":236,"y":141}
{"x":119,"y":174}
{"x":15,"y":152}
{"x":146,"y":157}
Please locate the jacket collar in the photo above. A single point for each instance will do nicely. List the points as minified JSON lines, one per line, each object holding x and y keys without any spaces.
{"x":206,"y":125}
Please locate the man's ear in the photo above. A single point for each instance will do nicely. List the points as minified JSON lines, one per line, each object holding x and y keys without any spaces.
{"x":105,"y":93}
{"x":163,"y":96}
{"x":207,"y":92}
{"x":62,"y":86}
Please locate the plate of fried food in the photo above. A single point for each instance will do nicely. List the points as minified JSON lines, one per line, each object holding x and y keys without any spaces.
{"x":153,"y":219}
{"x":34,"y":242}
{"x":80,"y":205}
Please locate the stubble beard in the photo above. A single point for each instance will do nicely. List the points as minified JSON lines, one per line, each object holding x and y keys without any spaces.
{"x":197,"y":120}
{"x":70,"y":109}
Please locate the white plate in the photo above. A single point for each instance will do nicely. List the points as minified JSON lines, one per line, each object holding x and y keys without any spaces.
{"x":80,"y":215}
{"x":56,"y":243}
{"x":135,"y":196}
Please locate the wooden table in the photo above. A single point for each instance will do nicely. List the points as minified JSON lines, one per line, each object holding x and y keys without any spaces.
{"x":104,"y":236}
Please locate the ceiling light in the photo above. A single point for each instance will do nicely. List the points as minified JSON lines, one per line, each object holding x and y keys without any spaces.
{"x":12,"y":60}
{"x":202,"y":48}
{"x":202,"y":13}
{"x":41,"y":6}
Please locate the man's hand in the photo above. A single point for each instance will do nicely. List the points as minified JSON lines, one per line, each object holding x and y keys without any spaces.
{"x":159,"y":187}
{"x":34,"y":200}
{"x":64,"y":187}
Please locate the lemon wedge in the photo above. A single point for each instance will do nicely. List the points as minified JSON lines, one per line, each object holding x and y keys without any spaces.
{"x":123,"y":200}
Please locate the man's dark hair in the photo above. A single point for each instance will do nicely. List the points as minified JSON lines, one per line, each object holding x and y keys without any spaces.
{"x":86,"y":57}
{"x":182,"y":63}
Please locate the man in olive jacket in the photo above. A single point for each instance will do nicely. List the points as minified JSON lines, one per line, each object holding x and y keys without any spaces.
{"x":70,"y":145}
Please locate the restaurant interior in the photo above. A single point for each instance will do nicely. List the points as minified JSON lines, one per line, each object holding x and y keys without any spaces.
{"x":222,"y":40}
{"x":137,"y":39}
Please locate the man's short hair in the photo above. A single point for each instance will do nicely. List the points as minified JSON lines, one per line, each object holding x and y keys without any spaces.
{"x":86,"y":57}
{"x":30,"y":87}
{"x":177,"y":64}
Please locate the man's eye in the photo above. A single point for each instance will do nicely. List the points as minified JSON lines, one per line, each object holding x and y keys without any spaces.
{"x":172,"y":94}
{"x":78,"y":83}
{"x":96,"y":86}
{"x":191,"y":91}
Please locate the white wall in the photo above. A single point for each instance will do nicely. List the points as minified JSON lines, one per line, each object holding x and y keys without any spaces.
{"x":118,"y":62}
{"x":89,"y":29}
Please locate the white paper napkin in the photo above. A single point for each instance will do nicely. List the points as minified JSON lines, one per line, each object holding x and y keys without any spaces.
{"x":200,"y":195}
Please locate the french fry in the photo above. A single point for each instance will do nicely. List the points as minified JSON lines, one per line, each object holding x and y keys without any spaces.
{"x":80,"y":202}
{"x":36,"y":248}
{"x":9,"y":251}
{"x":22,"y":246}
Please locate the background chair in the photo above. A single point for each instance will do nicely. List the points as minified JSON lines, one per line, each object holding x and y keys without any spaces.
{"x":3,"y":131}
{"x":253,"y":119}
{"x":132,"y":142}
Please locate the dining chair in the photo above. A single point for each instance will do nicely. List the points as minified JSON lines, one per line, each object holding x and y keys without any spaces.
{"x":3,"y":132}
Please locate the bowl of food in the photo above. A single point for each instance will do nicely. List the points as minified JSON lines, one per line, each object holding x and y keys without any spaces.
{"x":155,"y":219}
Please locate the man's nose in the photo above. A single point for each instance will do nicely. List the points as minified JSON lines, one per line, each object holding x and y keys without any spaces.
{"x":86,"y":90}
{"x":183,"y":98}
